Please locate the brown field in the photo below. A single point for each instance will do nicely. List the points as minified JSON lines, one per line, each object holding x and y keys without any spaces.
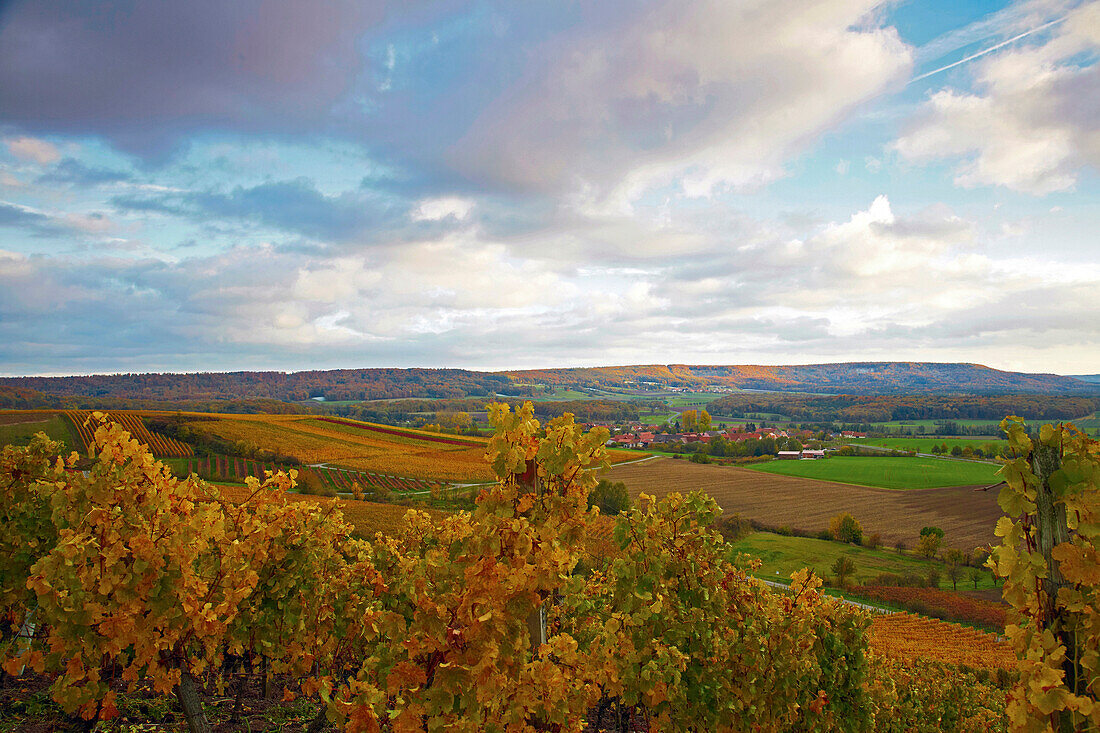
{"x":24,"y":417}
{"x":368,"y":518}
{"x":967,"y":517}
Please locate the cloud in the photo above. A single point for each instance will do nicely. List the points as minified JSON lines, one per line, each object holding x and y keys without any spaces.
{"x":882,"y":282}
{"x":73,"y":172}
{"x":142,"y":74}
{"x":1034,"y":122}
{"x":705,"y":92}
{"x":295,"y":206}
{"x":33,"y":149}
{"x":441,"y":208}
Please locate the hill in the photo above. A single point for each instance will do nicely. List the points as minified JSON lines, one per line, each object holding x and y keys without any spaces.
{"x":270,"y":391}
{"x":863,"y":378}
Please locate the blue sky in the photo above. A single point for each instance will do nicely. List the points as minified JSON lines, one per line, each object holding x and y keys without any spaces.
{"x":212,"y":186}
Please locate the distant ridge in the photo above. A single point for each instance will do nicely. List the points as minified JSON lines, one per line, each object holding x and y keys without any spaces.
{"x":853,"y":378}
{"x":863,"y":378}
{"x":1091,"y":378}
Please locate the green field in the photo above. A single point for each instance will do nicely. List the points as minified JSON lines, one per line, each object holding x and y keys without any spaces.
{"x":927,"y":427}
{"x":784,"y":555}
{"x":563,"y":394}
{"x":924,"y":445}
{"x":887,"y":473}
{"x":20,"y":433}
{"x":689,"y":400}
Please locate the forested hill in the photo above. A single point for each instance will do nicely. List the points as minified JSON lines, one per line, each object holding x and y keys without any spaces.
{"x":335,"y":384}
{"x":864,"y":378}
{"x":861,"y":378}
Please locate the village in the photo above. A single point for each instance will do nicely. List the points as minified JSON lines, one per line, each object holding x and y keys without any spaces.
{"x":790,"y":444}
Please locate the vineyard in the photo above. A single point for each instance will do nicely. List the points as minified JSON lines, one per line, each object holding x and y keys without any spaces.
{"x":234,"y":468}
{"x":938,"y":602}
{"x":909,"y":637}
{"x":525,"y":610}
{"x":376,"y":449}
{"x":161,"y":445}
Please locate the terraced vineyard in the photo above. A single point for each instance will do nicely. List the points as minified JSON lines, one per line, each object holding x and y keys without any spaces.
{"x":365,"y":447}
{"x":161,"y":445}
{"x":966,"y":516}
{"x":232,"y":468}
{"x":908,"y":637}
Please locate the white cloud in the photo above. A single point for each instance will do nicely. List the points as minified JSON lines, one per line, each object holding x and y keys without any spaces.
{"x":702,"y":94}
{"x":436,"y":209}
{"x":33,"y":149}
{"x":1034,"y":122}
{"x":883,"y":282}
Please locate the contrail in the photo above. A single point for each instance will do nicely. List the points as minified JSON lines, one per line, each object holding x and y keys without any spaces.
{"x":983,"y":52}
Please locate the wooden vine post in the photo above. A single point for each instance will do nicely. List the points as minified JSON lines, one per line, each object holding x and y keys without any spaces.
{"x":1051,"y":530}
{"x":1049,"y":558}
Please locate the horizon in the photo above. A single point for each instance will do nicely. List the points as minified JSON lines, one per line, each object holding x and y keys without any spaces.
{"x":480,"y":184}
{"x":542,"y":368}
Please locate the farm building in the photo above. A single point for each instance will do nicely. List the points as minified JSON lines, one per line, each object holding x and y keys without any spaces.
{"x":813,"y":454}
{"x":789,"y":455}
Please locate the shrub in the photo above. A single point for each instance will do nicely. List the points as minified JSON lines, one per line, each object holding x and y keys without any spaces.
{"x":874,"y":541}
{"x":734,"y":528}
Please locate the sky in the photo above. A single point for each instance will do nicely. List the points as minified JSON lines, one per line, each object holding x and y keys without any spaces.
{"x":267,"y":184}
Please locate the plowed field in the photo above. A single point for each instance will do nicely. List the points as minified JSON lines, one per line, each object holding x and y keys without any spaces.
{"x":967,"y":517}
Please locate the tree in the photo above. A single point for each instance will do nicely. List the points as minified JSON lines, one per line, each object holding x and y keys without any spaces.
{"x":931,"y":530}
{"x":611,"y":497}
{"x":843,"y":569}
{"x":954,"y":574}
{"x":845,"y":528}
{"x":928,"y":545}
{"x":976,"y":576}
{"x":689,"y":421}
{"x":704,"y":420}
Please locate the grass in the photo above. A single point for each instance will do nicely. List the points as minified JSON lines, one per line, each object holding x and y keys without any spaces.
{"x":924,"y":445}
{"x":928,"y":426}
{"x":20,"y":433}
{"x":887,"y":473}
{"x":782,"y":556}
{"x":689,"y":400}
{"x":563,"y":394}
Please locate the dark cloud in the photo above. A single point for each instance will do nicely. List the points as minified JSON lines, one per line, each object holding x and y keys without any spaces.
{"x":34,"y":222}
{"x":72,"y":172}
{"x":16,"y":216}
{"x":291,"y":206}
{"x":143,"y":73}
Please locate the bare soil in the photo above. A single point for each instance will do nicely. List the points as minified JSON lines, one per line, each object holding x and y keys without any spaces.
{"x":966,"y":516}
